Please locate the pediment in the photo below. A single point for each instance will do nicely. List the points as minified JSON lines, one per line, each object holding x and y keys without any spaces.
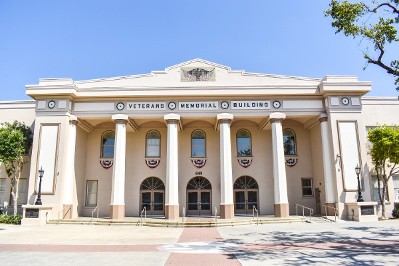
{"x":197,"y":73}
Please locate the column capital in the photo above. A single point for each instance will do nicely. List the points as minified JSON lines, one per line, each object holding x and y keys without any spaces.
{"x":223,"y":118}
{"x":323,"y":118}
{"x":73,"y":120}
{"x":277,"y":117}
{"x":172,"y":118}
{"x":120,"y":118}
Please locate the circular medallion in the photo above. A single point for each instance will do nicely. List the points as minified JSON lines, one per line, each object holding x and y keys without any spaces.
{"x":225,"y":105}
{"x":51,"y":104}
{"x":345,"y":101}
{"x":172,"y":105}
{"x":276,"y":104}
{"x":120,"y":106}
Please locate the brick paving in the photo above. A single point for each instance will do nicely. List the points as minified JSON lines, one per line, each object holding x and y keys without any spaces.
{"x":189,"y":257}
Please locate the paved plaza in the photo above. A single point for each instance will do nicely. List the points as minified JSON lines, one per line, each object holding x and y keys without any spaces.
{"x":344,"y":243}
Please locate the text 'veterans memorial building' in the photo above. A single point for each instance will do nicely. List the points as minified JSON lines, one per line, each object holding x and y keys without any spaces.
{"x":201,"y":137}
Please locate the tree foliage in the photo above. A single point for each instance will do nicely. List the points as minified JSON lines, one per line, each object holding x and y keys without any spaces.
{"x":384,"y":151}
{"x":15,"y":141}
{"x":376,"y":22}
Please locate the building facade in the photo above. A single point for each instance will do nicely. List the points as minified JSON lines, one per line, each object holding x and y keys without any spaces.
{"x":199,"y":138}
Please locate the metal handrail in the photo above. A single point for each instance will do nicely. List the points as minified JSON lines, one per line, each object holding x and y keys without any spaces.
{"x":145,"y":215}
{"x":95,"y":209}
{"x":216,"y":217}
{"x":303,"y":211}
{"x":334,"y":209}
{"x":253,"y":214}
{"x":63,"y":216}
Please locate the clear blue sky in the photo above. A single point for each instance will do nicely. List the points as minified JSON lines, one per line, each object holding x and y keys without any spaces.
{"x":98,"y":39}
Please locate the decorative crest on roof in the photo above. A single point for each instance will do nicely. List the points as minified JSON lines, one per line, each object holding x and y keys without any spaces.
{"x":197,"y":74}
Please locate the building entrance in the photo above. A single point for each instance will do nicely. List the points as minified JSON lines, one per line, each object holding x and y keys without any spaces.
{"x":246,"y":193}
{"x":152,"y":192}
{"x":199,"y":191}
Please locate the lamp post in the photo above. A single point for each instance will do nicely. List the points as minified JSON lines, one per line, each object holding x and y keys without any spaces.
{"x":359,"y":193}
{"x":39,"y":194}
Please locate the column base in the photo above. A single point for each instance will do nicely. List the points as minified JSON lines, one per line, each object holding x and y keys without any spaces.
{"x":226,"y":211}
{"x":117,"y":212}
{"x":281,"y":210}
{"x":329,"y":211}
{"x":171,"y":212}
{"x":67,"y":211}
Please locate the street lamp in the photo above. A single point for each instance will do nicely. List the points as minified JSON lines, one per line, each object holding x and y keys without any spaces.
{"x":39,"y":194}
{"x":359,"y":193}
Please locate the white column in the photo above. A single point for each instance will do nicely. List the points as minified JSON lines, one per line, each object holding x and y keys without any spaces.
{"x":172,"y":167}
{"x":327,"y":160}
{"x":226,"y":173}
{"x":69,"y":172}
{"x":281,"y":207}
{"x":118,"y":172}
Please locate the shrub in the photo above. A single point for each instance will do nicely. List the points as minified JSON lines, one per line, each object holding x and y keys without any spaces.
{"x":10,"y":219}
{"x":395,"y":212}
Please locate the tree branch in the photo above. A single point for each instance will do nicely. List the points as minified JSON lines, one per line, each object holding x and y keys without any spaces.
{"x":379,"y":62}
{"x":394,"y":9}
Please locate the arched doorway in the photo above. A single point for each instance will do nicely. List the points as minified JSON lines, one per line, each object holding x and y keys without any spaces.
{"x":246,"y":191}
{"x":152,"y":191}
{"x":199,"y":191}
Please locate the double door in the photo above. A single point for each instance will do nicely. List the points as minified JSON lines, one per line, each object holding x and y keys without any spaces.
{"x":245,"y":200}
{"x":199,"y":202}
{"x":153,"y":201}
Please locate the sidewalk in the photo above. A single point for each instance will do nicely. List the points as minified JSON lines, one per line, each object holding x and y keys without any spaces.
{"x":348,"y":243}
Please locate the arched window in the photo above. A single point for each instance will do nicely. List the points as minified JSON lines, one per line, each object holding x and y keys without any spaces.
{"x":107,"y":144}
{"x":153,"y":144}
{"x":244,"y":146}
{"x":198,"y":144}
{"x":289,"y":140}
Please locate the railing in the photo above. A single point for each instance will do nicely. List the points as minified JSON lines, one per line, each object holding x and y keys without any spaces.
{"x":216,"y":217}
{"x":335,"y":212}
{"x":62,"y":214}
{"x":303,"y":211}
{"x":253,"y":214}
{"x":183,"y":216}
{"x":141,"y":215}
{"x":95,"y":209}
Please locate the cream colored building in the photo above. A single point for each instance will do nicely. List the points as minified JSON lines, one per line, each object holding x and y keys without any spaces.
{"x":201,"y":137}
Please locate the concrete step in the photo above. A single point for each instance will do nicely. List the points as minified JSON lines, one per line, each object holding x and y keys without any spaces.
{"x":186,"y":222}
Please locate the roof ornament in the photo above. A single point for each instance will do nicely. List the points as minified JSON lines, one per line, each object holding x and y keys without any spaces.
{"x":198,"y":74}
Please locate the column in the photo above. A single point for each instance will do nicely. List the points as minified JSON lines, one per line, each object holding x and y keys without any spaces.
{"x":172,"y":171}
{"x":226,"y":173}
{"x":69,"y":173}
{"x":281,"y":207}
{"x":327,"y":159}
{"x":118,"y":171}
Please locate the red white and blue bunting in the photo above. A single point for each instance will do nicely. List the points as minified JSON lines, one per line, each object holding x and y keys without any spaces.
{"x":199,"y":163}
{"x":291,"y":161}
{"x":245,"y":162}
{"x":152,"y":163}
{"x":106,"y":164}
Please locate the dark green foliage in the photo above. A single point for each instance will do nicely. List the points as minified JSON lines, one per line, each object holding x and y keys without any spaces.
{"x":10,"y":219}
{"x":375,"y":24}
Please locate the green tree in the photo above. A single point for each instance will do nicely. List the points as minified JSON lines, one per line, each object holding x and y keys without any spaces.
{"x":374,"y":23}
{"x":15,"y":141}
{"x":384,"y":151}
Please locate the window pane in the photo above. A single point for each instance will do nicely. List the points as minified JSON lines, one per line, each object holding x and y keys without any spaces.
{"x":108,"y":141}
{"x":289,"y":142}
{"x":307,"y":187}
{"x":198,"y":148}
{"x":2,"y":191}
{"x":153,"y":144}
{"x":91,"y":193}
{"x":243,"y":143}
{"x":23,"y":191}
